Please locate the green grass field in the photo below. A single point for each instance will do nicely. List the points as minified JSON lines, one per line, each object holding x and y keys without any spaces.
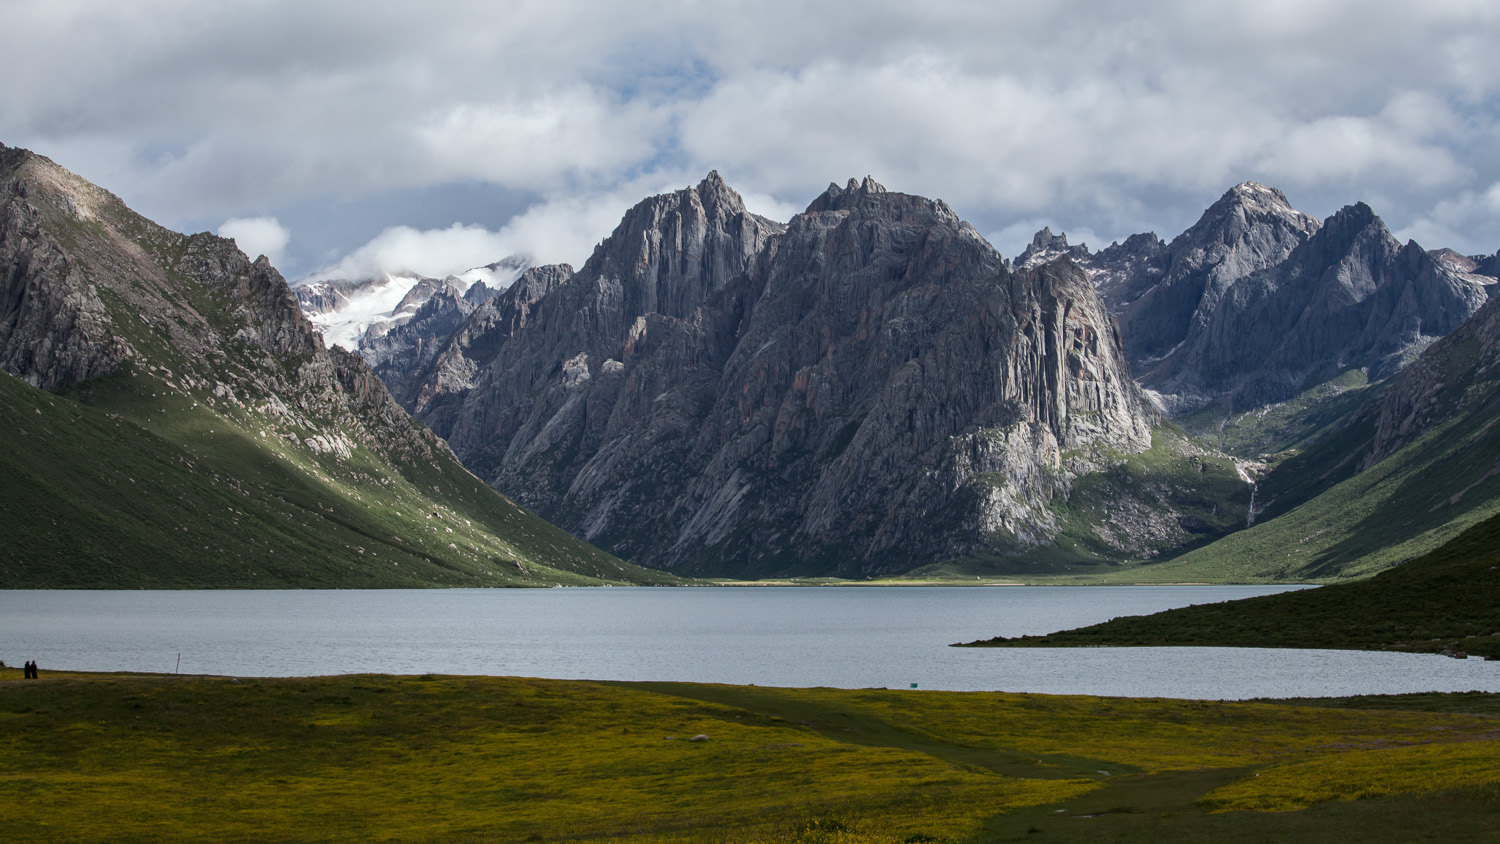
{"x":119,"y":758}
{"x":127,"y":483}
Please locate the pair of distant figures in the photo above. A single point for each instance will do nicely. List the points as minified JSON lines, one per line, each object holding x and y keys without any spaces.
{"x":31,"y":670}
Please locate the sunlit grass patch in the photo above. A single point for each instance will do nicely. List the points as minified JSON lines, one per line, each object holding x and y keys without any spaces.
{"x":1141,"y":734}
{"x":1362,"y":774}
{"x":445,"y":758}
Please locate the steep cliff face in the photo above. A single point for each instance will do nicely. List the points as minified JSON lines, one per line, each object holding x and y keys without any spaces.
{"x":869,"y":389}
{"x":1251,"y":227}
{"x":436,"y":388}
{"x":1257,"y":302}
{"x":206,"y":369}
{"x":1457,"y":377}
{"x":1351,"y":296}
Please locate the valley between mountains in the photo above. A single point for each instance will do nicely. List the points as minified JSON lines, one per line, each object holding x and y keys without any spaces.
{"x":867,"y":390}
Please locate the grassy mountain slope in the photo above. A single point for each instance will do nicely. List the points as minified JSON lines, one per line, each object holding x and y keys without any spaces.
{"x":1412,"y":468}
{"x":1445,"y":601}
{"x":193,"y":431}
{"x":98,"y":494}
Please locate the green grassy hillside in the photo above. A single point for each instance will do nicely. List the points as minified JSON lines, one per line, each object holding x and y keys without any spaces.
{"x":122,"y":758}
{"x":1445,"y":601}
{"x":196,"y":434}
{"x":125,"y":483}
{"x":1410,"y":470}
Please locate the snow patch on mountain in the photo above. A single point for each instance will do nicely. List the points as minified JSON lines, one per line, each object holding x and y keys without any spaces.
{"x":346,"y":312}
{"x":357,"y":308}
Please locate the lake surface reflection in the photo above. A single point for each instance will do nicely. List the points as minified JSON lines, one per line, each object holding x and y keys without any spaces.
{"x":849,"y":637}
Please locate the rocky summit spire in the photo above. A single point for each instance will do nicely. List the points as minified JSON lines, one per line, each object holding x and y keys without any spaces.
{"x":1047,"y":247}
{"x":842,"y":199}
{"x":1248,"y":228}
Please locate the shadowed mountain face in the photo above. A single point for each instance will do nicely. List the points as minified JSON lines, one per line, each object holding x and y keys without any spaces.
{"x":1257,"y":302}
{"x":1174,"y":294}
{"x":201,"y":435}
{"x":1351,"y":296}
{"x":866,"y":389}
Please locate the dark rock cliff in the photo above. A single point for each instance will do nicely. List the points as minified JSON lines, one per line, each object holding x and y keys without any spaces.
{"x":90,"y":285}
{"x":866,"y":389}
{"x":1350,"y":296}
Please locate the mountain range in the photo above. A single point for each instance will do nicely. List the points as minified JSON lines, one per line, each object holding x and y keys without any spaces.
{"x":872,"y":388}
{"x":171,"y":419}
{"x":867,"y":389}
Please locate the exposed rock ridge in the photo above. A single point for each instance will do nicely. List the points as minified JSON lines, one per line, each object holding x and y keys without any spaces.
{"x":866,"y":389}
{"x":1350,"y":296}
{"x":1250,"y":227}
{"x":77,"y":305}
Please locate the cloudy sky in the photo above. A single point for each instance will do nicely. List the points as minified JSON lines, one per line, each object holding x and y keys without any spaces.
{"x":348,"y":137}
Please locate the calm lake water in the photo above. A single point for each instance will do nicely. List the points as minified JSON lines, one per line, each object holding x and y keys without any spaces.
{"x":849,"y":637}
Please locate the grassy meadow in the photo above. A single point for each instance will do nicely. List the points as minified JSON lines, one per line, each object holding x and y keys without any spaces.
{"x":114,"y":757}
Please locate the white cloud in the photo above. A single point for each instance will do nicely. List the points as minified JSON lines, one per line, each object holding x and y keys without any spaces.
{"x":407,"y":251}
{"x":1119,"y":114}
{"x":561,"y":231}
{"x":256,"y":236}
{"x":1450,"y":222}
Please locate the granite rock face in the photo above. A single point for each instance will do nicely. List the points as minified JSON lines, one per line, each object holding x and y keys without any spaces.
{"x":88,"y":282}
{"x":866,"y":389}
{"x":1257,"y":301}
{"x":1350,"y":296}
{"x":1251,"y":227}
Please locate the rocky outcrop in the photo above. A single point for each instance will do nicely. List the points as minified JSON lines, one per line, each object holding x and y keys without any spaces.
{"x":54,"y":328}
{"x":1350,"y":296}
{"x":864,"y":390}
{"x":90,"y":286}
{"x":1251,"y":227}
{"x":1456,"y":376}
{"x":1046,"y":247}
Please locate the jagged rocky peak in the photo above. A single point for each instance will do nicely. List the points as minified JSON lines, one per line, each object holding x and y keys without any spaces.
{"x":670,"y":253}
{"x":872,"y":386}
{"x":1351,"y":295}
{"x":1047,"y":247}
{"x":842,"y":199}
{"x":1250,"y":227}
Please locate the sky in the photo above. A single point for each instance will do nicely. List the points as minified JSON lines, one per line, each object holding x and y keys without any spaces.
{"x":351,"y":138}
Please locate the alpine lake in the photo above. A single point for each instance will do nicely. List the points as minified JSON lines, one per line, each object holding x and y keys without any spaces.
{"x":894,"y":637}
